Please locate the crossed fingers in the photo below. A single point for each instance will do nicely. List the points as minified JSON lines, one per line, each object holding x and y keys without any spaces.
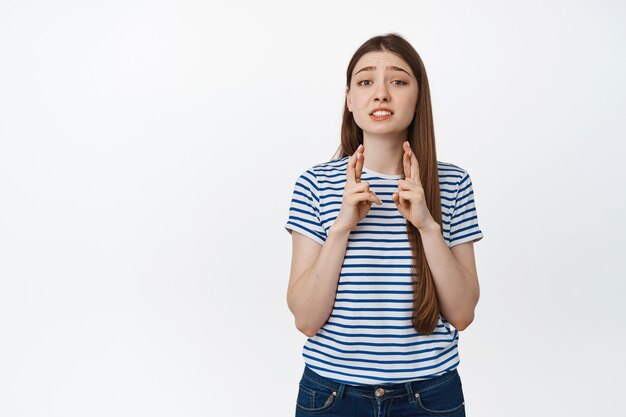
{"x":410,"y":164}
{"x":355,"y":166}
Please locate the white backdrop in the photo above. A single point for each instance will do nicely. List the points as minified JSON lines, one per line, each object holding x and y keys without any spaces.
{"x":148,"y":151}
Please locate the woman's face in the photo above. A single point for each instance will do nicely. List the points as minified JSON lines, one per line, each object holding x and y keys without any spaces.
{"x":375,"y":85}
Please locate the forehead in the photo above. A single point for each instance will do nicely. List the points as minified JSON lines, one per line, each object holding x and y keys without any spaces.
{"x":381,"y":60}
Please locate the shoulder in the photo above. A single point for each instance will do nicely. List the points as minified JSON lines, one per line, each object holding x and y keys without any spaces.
{"x":334,"y":165}
{"x":314,"y":177}
{"x":451,"y":172}
{"x":454,"y":180}
{"x":327,"y":169}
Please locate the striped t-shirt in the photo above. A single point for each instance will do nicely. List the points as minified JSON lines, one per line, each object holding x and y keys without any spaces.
{"x":368,"y":338}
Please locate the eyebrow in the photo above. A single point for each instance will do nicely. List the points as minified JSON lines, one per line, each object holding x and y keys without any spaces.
{"x":391,"y":67}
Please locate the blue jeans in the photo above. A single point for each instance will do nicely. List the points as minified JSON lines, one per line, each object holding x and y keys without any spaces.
{"x":438,"y":396}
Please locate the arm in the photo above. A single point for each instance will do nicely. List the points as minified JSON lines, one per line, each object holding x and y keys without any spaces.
{"x":314,"y":278}
{"x":454,"y":274}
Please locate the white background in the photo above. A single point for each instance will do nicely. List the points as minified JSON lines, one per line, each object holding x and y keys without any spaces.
{"x":148,"y":151}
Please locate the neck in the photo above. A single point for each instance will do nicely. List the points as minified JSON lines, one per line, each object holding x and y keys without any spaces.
{"x":383,"y":153}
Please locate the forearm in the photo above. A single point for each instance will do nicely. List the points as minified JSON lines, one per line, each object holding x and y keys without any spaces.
{"x":312,"y":296}
{"x":457,"y":291}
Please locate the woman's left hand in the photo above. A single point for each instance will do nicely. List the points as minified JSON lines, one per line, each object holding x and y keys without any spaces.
{"x":410,"y":199}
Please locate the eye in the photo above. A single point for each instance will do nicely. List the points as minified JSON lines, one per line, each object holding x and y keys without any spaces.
{"x":368,"y":81}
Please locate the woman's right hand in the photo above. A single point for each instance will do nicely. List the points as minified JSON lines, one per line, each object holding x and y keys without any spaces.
{"x":357,"y":197}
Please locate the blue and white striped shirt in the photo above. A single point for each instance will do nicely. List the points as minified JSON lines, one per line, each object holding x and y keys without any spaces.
{"x":368,"y":338}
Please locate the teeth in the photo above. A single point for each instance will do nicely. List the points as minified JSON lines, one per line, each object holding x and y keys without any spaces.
{"x":381,"y":113}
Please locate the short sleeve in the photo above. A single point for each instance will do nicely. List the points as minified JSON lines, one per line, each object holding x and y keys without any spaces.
{"x":304,"y":212}
{"x":464,"y":222}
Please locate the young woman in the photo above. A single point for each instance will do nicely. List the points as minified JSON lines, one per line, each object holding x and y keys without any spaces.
{"x":383,"y":275}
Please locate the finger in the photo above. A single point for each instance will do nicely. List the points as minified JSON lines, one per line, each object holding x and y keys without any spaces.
{"x":394,"y":197}
{"x":359,"y":188}
{"x":364,"y":188}
{"x":359,"y":163}
{"x":406,"y":160}
{"x":405,"y":196}
{"x":408,"y":185}
{"x":350,"y":178}
{"x":366,"y":194}
{"x":405,"y":185}
{"x":360,"y":198}
{"x":378,"y":200}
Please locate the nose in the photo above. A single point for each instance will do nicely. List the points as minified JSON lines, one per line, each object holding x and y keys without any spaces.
{"x":382,"y":93}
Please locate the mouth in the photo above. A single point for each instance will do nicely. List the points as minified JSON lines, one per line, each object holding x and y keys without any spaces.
{"x":381,"y":115}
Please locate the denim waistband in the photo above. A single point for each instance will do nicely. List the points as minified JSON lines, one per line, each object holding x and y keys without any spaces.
{"x":388,"y":391}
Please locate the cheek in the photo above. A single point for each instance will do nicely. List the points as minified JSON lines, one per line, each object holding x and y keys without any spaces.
{"x":411,"y":105}
{"x":360,"y":118}
{"x":360,"y":107}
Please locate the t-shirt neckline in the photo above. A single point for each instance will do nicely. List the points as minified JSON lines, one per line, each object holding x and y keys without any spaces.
{"x":381,"y":175}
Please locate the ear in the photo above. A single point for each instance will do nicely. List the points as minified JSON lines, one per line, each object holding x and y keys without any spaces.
{"x":348,"y":100}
